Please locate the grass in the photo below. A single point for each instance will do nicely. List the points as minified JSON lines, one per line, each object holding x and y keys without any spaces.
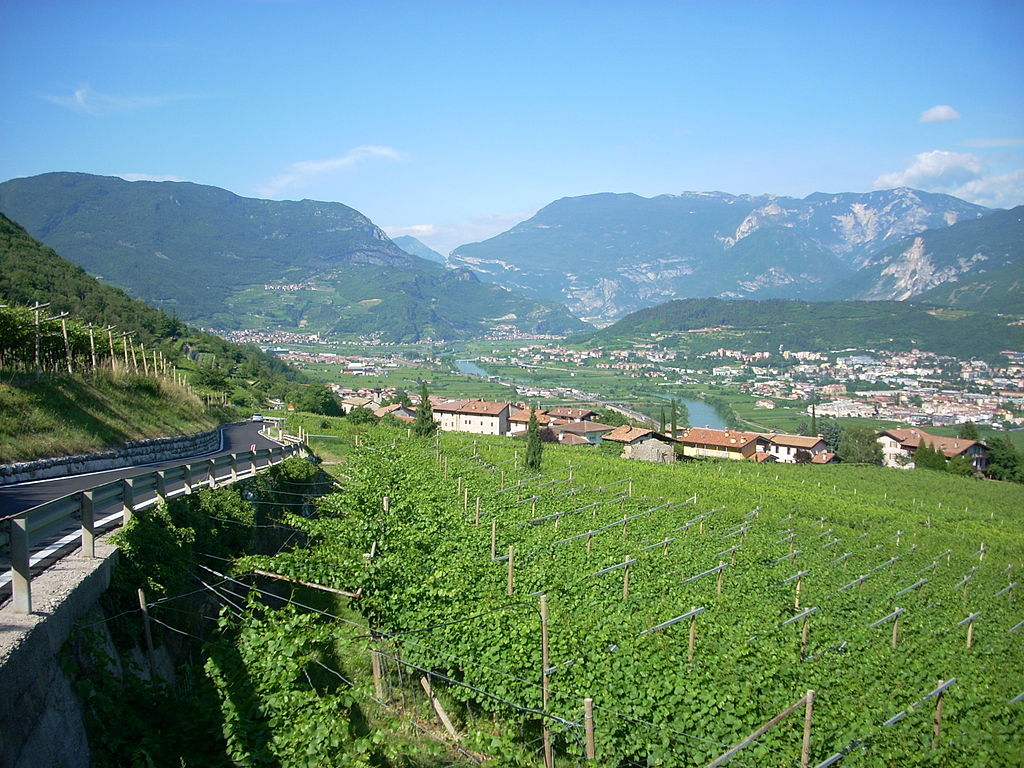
{"x":64,"y":416}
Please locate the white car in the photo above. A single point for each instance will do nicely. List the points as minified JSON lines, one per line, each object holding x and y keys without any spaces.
{"x":257,"y":417}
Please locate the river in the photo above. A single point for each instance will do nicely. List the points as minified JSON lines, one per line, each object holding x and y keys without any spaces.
{"x":701,"y":414}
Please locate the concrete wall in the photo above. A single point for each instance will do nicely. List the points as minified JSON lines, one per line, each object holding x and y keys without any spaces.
{"x":41,"y":721}
{"x":138,"y":452}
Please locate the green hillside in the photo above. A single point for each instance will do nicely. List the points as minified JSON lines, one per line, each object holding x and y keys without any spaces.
{"x":63,"y":414}
{"x":764,"y":325}
{"x":995,"y":290}
{"x":227,"y":262}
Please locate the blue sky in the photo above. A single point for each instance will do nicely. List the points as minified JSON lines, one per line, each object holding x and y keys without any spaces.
{"x":452,"y":121}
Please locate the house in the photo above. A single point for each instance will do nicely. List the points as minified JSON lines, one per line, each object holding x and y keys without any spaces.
{"x":643,"y":444}
{"x":571,"y":414}
{"x":351,"y":403}
{"x":791,"y":449}
{"x":520,"y":420}
{"x":397,"y":410}
{"x":591,"y":432}
{"x":706,"y":443}
{"x":898,"y":446}
{"x":479,"y":417}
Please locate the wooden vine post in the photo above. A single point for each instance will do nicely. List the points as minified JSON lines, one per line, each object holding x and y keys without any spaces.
{"x":805,"y":752}
{"x":937,"y":728}
{"x":625,"y":579}
{"x":549,"y":758}
{"x":693,"y":632}
{"x":511,"y":566}
{"x":494,"y":539}
{"x":588,"y":728}
{"x":150,"y":653}
{"x":721,"y":573}
{"x":477,"y":518}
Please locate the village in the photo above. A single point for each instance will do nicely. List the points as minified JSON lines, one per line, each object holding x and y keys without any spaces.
{"x":578,"y":427}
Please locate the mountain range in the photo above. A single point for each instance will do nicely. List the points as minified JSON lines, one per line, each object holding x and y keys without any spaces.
{"x":609,"y":254}
{"x":223,"y":261}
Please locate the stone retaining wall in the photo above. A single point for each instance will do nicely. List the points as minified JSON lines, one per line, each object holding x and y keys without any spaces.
{"x":137,"y":452}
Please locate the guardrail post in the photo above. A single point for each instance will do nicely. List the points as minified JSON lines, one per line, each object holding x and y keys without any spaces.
{"x":234,"y":467}
{"x":161,"y":484}
{"x":128,"y":498}
{"x":21,"y":590}
{"x":211,"y":470}
{"x":88,"y":535}
{"x":187,"y":482}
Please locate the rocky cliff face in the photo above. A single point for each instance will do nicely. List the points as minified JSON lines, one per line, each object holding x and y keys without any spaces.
{"x":607,"y":255}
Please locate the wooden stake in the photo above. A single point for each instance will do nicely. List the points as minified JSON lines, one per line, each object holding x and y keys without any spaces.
{"x":970,"y":635}
{"x":895,"y":630}
{"x":625,"y":580}
{"x":549,"y":758}
{"x":937,"y":729}
{"x":438,"y":708}
{"x":465,"y":496}
{"x":511,"y":566}
{"x":477,"y":519}
{"x":693,"y":633}
{"x":721,"y":573}
{"x":378,"y":685}
{"x":494,"y":539}
{"x":149,"y":636}
{"x":803,"y":634}
{"x":796,"y":599}
{"x":588,"y":728}
{"x":805,"y":753}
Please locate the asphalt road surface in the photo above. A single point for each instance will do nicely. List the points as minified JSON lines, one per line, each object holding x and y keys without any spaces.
{"x":21,"y":496}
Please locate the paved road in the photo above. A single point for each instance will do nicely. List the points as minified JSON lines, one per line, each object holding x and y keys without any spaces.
{"x":15,"y":498}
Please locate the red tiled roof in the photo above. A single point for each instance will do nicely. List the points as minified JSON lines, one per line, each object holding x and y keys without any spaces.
{"x":795,"y":441}
{"x":482,"y":407}
{"x":570,"y":413}
{"x":822,"y":458}
{"x":627,"y":434}
{"x":722,"y":438}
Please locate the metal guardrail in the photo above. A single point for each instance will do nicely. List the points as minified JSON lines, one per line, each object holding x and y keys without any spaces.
{"x":104,"y":504}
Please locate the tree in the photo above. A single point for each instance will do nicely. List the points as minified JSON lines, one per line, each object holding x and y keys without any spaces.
{"x":424,"y":425}
{"x":661,"y":422}
{"x":860,"y":445}
{"x":803,"y":427}
{"x":961,"y":465}
{"x":534,"y":448}
{"x":675,"y":417}
{"x":1005,"y":462}
{"x":832,"y":433}
{"x":968,"y":431}
{"x":926,"y":457}
{"x":318,"y":398}
{"x":361,"y":415}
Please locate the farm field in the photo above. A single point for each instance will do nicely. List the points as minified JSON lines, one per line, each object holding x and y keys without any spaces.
{"x":787,"y":579}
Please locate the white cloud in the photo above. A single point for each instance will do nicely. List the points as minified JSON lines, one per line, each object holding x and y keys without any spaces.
{"x":961,"y":174}
{"x":1003,"y":191}
{"x":147,"y":177}
{"x":444,"y":238}
{"x":940,"y":113}
{"x":304,"y":171}
{"x":90,"y":102}
{"x":935,"y":171}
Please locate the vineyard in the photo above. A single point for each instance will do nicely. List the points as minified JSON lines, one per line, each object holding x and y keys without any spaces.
{"x":30,"y":340}
{"x":691,"y":603}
